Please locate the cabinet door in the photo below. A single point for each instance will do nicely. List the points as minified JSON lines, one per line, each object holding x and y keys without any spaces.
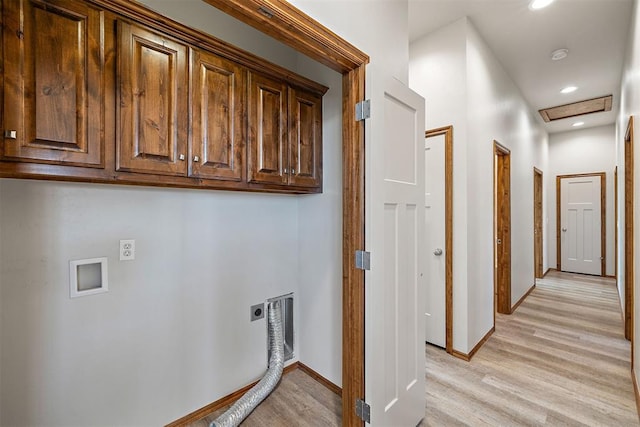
{"x":218,"y":99}
{"x":152,"y":106}
{"x":267,"y":130}
{"x":305,"y":139}
{"x":53,"y":82}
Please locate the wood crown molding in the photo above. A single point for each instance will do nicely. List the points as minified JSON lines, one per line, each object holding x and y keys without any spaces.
{"x":284,"y":22}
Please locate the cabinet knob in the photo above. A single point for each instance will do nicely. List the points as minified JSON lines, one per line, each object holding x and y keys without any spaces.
{"x":196,"y":158}
{"x":293,"y":171}
{"x":10,"y":134}
{"x":285,"y":171}
{"x":181,"y":157}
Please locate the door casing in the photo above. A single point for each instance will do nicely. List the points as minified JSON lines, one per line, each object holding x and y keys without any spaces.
{"x":629,"y":250}
{"x":538,"y":237}
{"x":502,"y":228}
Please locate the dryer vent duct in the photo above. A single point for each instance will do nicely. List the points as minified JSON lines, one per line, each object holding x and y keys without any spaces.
{"x":247,"y":403}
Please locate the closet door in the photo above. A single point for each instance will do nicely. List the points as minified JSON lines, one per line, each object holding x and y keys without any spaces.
{"x":152,"y":110}
{"x":54,"y":84}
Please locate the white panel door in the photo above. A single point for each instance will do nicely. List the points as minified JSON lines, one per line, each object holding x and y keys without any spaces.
{"x":580,"y":222}
{"x":435,"y":314}
{"x":395,"y":285}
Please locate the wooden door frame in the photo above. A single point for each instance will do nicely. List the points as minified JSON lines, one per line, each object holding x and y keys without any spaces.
{"x":447,"y":131}
{"x":286,"y":23}
{"x":629,"y":250}
{"x":538,"y":274}
{"x":603,"y":218}
{"x":503,"y":302}
{"x":615,"y":222}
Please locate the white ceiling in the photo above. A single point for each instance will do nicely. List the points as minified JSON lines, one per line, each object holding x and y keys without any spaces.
{"x":594,"y":31}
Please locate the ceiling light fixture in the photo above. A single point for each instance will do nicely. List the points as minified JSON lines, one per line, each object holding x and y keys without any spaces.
{"x":576,"y":124}
{"x":569,"y":89}
{"x":539,"y":4}
{"x":559,"y":54}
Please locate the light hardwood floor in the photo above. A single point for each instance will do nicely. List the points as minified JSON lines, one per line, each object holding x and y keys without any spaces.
{"x":560,"y":360}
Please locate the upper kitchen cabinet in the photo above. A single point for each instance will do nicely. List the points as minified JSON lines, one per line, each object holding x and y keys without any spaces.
{"x":268,"y":147}
{"x":152,"y":106}
{"x":285,"y":134}
{"x":305,"y":139}
{"x":218,"y":117}
{"x":54,"y":82}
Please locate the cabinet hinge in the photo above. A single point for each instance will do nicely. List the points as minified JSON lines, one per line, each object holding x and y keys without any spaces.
{"x":363,"y":110}
{"x":363,"y":410}
{"x":363,"y":260}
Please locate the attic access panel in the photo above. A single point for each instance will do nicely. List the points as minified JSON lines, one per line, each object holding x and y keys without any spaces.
{"x":597,"y":105}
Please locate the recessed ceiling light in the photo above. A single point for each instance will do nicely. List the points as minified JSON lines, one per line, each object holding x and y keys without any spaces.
{"x":576,"y":124}
{"x":559,"y":54}
{"x":539,"y":4}
{"x":569,"y":89}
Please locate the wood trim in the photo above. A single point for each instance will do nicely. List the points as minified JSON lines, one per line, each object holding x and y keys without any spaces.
{"x":353,"y":298}
{"x":603,"y":218}
{"x":467,"y":357}
{"x":615,"y":222}
{"x":222,"y":402}
{"x":447,"y":131}
{"x":636,"y":390}
{"x":548,"y":270}
{"x":319,"y":378}
{"x":629,"y":243}
{"x":502,"y":221}
{"x":537,"y":273}
{"x":284,"y":22}
{"x":521,"y":300}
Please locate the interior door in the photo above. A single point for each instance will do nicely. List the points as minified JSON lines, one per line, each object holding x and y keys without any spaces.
{"x":435,"y":313}
{"x":581,"y":222}
{"x":395,"y":285}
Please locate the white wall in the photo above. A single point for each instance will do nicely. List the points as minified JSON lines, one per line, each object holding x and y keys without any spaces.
{"x":377,"y":27}
{"x":437,"y":71}
{"x":465,"y":85}
{"x":582,"y":151}
{"x":630,"y":106}
{"x":173,"y":333}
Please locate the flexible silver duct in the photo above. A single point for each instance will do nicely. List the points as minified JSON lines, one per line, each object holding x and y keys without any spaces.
{"x":247,"y":403}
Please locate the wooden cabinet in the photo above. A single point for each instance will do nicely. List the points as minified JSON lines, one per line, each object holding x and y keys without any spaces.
{"x":285,"y":136}
{"x":305,"y":139}
{"x":53,"y":110}
{"x":267,"y":130}
{"x":152,"y":107}
{"x":218,"y":116}
{"x":110,"y":91}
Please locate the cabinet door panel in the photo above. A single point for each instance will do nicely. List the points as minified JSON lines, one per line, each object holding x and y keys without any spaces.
{"x":54,"y":82}
{"x":152,"y":109}
{"x":305,"y":139}
{"x":219,"y":88}
{"x":267,"y":130}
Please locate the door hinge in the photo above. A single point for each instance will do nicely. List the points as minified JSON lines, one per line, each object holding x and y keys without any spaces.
{"x":363,"y":410}
{"x":363,"y":110}
{"x":363,"y":260}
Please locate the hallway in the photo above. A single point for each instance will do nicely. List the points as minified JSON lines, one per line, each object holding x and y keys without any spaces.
{"x":560,"y":359}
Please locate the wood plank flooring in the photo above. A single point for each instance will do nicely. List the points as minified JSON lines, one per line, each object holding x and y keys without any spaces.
{"x":560,"y":359}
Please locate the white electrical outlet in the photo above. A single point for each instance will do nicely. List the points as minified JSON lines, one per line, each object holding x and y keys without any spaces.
{"x":127,"y":250}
